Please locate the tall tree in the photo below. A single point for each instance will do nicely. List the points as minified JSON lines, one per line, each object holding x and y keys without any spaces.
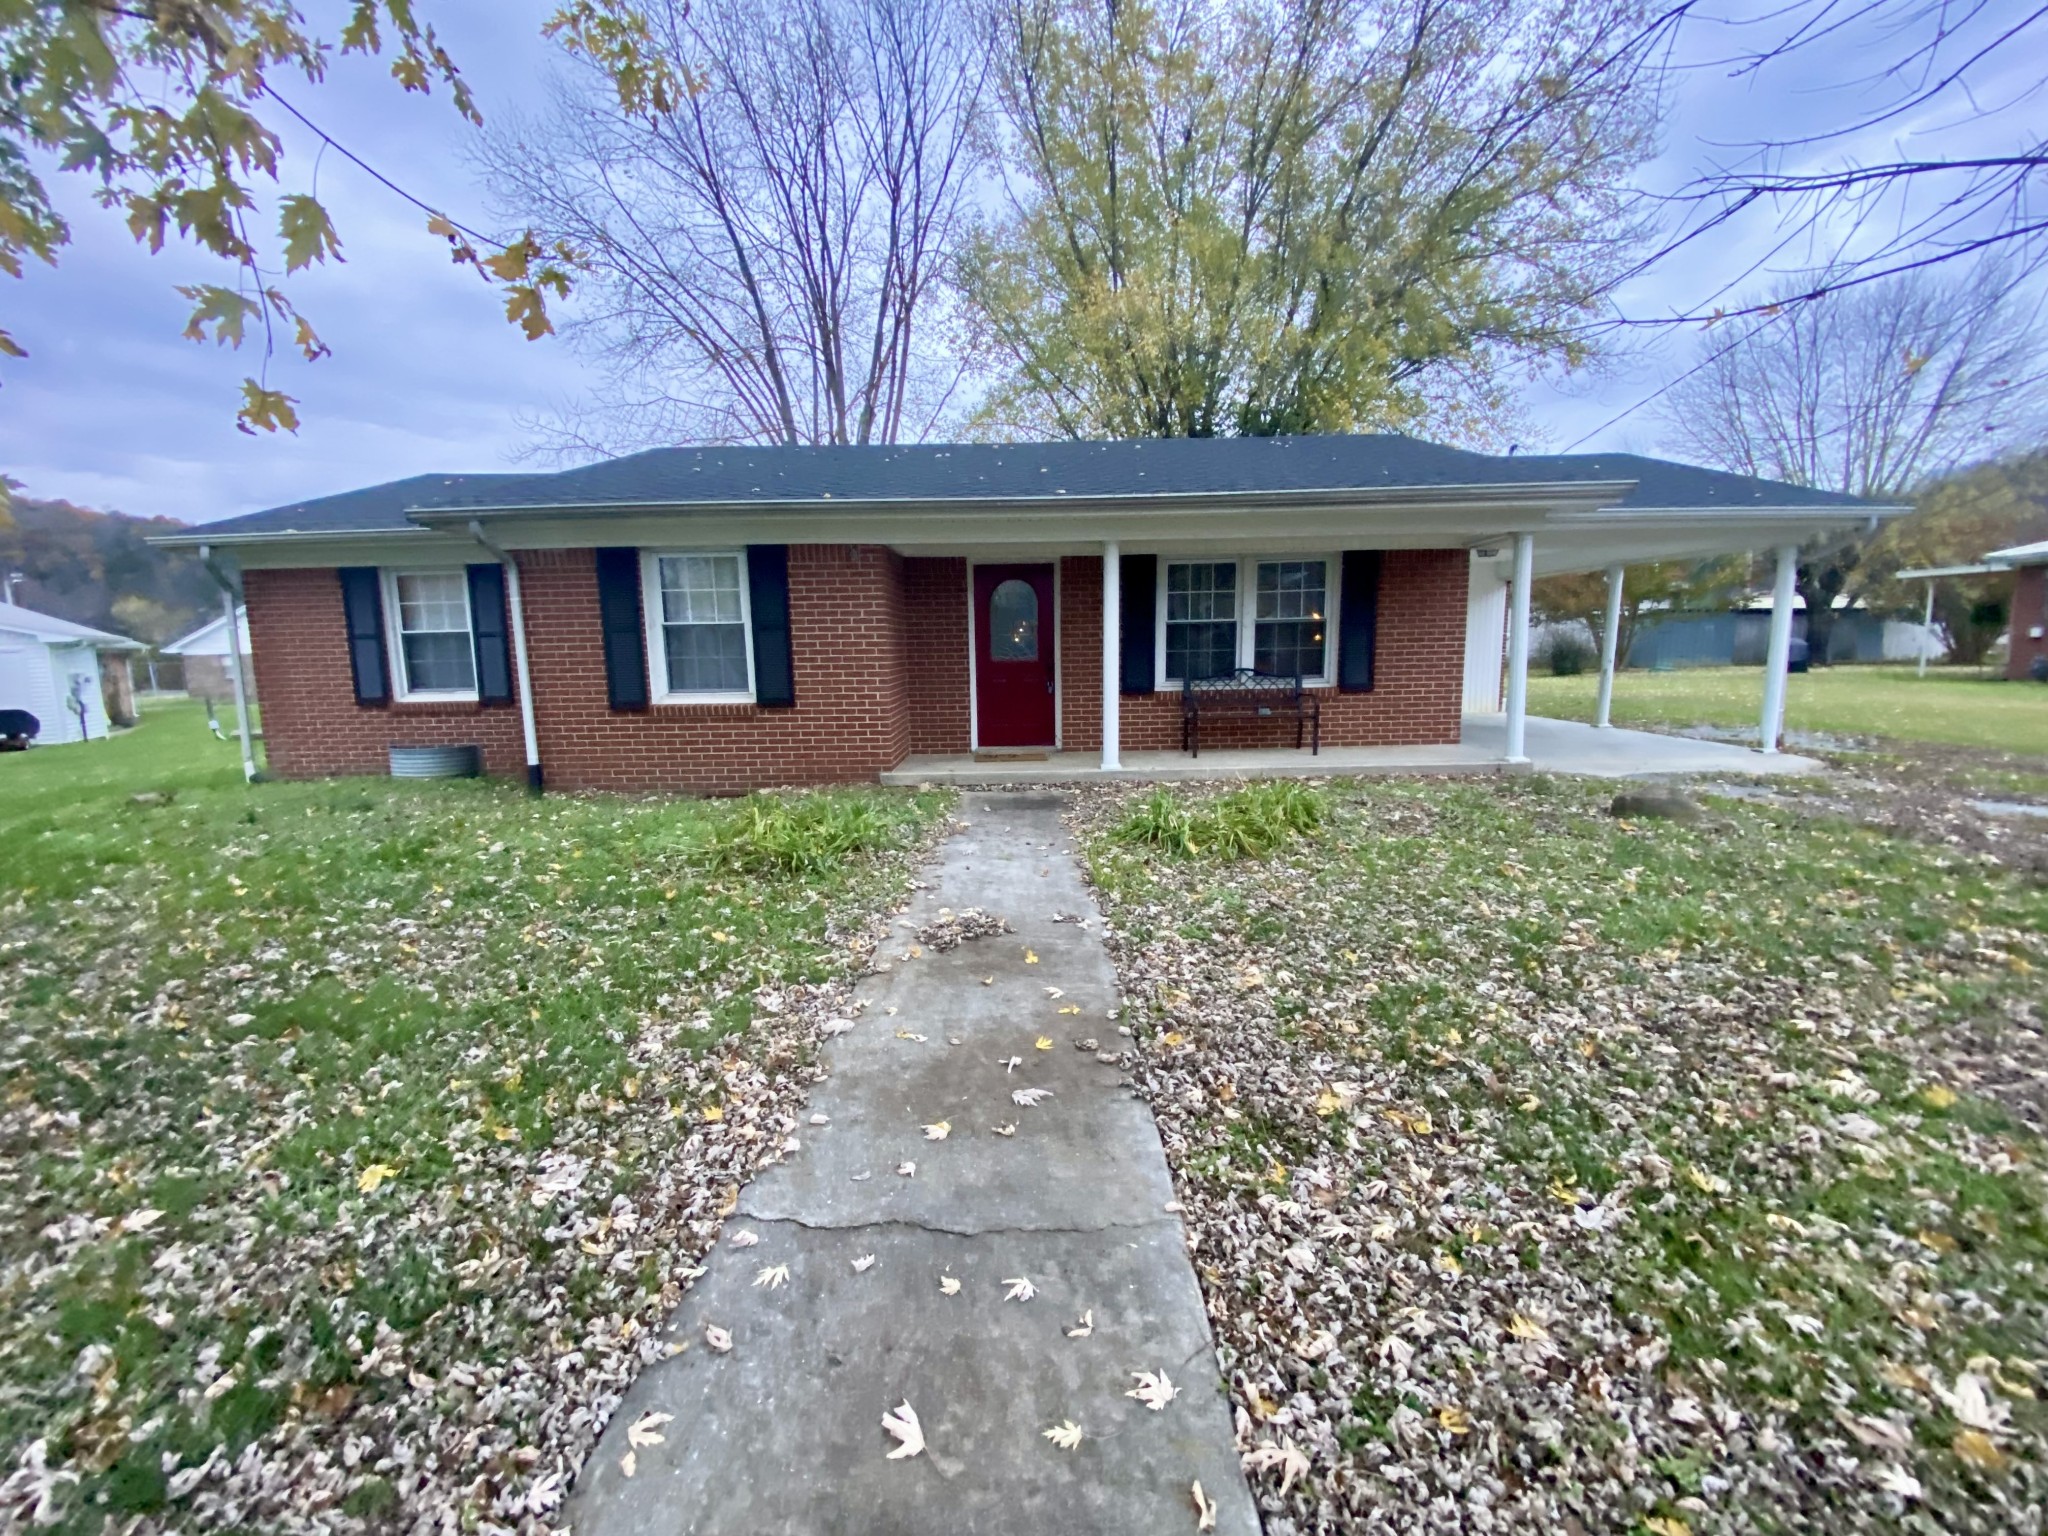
{"x":764,"y":248}
{"x":171,"y":107}
{"x":1871,"y":391}
{"x":1298,"y":215}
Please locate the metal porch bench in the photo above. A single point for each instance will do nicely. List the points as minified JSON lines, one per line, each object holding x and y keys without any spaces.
{"x":1249,"y":692}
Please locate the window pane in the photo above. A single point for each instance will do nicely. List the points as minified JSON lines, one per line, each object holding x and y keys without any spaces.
{"x":1013,"y":622}
{"x":706,"y":658}
{"x":433,"y":630}
{"x":1201,"y":619}
{"x":1289,"y":648}
{"x":439,"y":663}
{"x":1290,"y":589}
{"x":1200,"y":650}
{"x":433,"y":601}
{"x":1205,"y":591}
{"x":1287,"y":635}
{"x":700,"y":589}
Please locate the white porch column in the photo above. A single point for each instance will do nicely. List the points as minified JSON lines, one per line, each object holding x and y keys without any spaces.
{"x":1780,"y":654}
{"x":1518,"y":649}
{"x":1610,"y":635}
{"x":1927,"y":628}
{"x":1112,"y":654}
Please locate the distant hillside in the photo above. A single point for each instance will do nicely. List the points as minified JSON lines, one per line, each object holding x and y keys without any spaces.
{"x":94,"y":568}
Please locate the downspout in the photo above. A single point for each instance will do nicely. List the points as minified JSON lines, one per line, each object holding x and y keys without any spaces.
{"x":227,"y":600}
{"x":512,"y":595}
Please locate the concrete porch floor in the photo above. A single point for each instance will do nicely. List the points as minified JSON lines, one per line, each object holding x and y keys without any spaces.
{"x":1555,"y":746}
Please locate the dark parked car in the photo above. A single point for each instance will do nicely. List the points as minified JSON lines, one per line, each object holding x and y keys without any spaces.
{"x":17,"y":729}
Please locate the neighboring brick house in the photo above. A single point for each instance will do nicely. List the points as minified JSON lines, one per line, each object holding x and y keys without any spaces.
{"x":208,"y":662}
{"x":715,"y":619}
{"x":2026,"y":653}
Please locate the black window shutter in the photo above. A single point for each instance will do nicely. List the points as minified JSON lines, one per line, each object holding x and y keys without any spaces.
{"x":490,"y":634}
{"x":362,"y":605}
{"x":625,"y":642}
{"x":1136,"y":603}
{"x":1358,"y":620}
{"x":768,"y":602}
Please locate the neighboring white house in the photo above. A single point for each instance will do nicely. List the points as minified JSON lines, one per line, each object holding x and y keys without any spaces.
{"x":51,"y":668}
{"x":208,"y":674}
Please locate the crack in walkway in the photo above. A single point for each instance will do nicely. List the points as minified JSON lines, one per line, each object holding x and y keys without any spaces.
{"x":1017,"y":1229}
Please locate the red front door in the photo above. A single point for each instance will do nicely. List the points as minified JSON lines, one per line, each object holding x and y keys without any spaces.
{"x":1013,"y":655}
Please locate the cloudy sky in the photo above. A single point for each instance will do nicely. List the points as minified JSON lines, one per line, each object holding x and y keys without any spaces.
{"x":113,"y":409}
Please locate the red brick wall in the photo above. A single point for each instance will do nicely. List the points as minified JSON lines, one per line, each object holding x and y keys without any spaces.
{"x":2029,"y":611}
{"x":851,"y":713}
{"x":1418,"y":678}
{"x":1081,"y":655}
{"x":880,"y":649}
{"x":312,"y":725}
{"x":935,"y":663}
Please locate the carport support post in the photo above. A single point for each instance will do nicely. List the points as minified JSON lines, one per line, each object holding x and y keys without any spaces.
{"x":1518,"y":649}
{"x":1112,"y":653}
{"x":1609,"y":635}
{"x":1780,"y":655}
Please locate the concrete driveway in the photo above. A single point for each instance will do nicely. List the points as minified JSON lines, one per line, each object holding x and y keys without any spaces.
{"x":783,"y":1433}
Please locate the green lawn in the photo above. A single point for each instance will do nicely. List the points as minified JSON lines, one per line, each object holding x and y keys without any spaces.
{"x":374,"y":1110}
{"x":1659,"y":1177}
{"x":1955,"y":707}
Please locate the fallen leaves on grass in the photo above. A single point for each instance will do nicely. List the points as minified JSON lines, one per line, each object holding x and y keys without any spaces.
{"x":1558,"y":1170}
{"x":453,"y":1089}
{"x":1287,"y":1458}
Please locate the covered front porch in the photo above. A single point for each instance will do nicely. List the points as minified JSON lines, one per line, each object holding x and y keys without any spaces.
{"x":1551,"y":746}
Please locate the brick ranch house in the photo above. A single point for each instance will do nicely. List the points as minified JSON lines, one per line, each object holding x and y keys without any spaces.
{"x":720,"y":619}
{"x":2026,"y":651}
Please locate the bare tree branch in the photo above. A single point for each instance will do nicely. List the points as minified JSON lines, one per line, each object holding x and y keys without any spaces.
{"x":764,"y":256}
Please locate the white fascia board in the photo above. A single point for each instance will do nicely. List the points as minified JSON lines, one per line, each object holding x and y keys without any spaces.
{"x":1927,"y":572}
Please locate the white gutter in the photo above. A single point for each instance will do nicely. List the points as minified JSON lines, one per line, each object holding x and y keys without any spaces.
{"x":518,"y":604}
{"x":228,"y":599}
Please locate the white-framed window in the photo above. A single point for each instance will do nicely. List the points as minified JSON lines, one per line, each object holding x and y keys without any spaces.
{"x":700,"y":633}
{"x":433,"y":652}
{"x":1272,"y":613}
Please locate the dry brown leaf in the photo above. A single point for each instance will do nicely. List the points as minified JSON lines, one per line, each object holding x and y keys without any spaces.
{"x":902,"y":1424}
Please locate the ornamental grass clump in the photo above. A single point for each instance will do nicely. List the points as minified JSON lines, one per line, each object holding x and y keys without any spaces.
{"x":774,"y":835}
{"x":1242,"y":823}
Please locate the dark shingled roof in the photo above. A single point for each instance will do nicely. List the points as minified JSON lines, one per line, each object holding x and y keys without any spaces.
{"x":970,"y":472}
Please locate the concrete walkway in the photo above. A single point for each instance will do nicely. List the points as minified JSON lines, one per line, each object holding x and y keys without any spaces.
{"x":1573,"y":747}
{"x":784,"y":1432}
{"x":1553,"y":746}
